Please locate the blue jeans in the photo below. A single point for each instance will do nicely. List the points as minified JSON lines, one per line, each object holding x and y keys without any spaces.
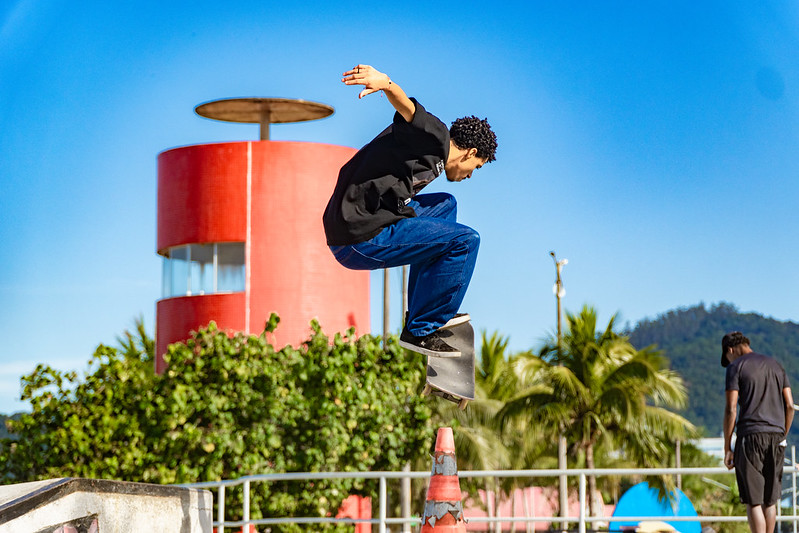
{"x":441,"y":254}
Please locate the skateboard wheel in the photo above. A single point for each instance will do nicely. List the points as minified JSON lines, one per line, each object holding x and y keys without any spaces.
{"x":462,"y":404}
{"x":427,"y":390}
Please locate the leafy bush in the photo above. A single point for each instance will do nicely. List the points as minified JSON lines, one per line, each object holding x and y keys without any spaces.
{"x":228,"y":406}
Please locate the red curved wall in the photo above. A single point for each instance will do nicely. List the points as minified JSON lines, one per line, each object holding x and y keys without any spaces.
{"x":270,"y":195}
{"x":177,"y":317}
{"x":202,"y":194}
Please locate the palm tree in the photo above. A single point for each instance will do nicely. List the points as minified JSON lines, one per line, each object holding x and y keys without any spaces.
{"x":526,"y":444}
{"x":598,"y":389}
{"x":479,"y":436}
{"x":484,"y":441}
{"x":138,"y":344}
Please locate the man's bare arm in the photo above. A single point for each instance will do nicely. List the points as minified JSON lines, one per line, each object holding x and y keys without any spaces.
{"x":373,"y":80}
{"x":728,"y":426}
{"x":787,"y":396}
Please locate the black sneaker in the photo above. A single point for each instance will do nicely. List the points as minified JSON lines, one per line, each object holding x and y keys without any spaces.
{"x":432,"y":345}
{"x":458,"y":319}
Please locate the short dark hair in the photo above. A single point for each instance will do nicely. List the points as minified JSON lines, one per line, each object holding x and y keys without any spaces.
{"x":731,"y":340}
{"x":471,"y":132}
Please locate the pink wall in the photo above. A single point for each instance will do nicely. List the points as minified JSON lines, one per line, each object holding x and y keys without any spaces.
{"x":528,"y":502}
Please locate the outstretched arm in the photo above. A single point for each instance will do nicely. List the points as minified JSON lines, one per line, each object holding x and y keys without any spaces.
{"x":788,"y":399}
{"x":728,"y":426}
{"x":373,"y":80}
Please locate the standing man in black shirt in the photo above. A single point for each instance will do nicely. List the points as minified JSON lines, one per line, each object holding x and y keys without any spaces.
{"x":375,"y":218}
{"x":758,"y":385}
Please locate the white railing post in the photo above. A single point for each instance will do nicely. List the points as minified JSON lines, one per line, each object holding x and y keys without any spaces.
{"x":793,"y":486}
{"x":405,"y":483}
{"x":246,"y":511}
{"x":382,"y":489}
{"x":220,"y":508}
{"x":582,"y":503}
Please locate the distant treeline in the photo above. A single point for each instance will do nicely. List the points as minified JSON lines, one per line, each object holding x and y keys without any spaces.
{"x":691,"y":339}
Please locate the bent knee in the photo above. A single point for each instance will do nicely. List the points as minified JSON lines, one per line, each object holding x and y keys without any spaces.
{"x":470,"y":238}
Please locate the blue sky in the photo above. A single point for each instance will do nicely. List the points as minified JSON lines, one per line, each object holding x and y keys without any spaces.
{"x":653,"y":144}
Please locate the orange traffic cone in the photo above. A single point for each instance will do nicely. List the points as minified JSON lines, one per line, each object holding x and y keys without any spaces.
{"x":443,"y":510}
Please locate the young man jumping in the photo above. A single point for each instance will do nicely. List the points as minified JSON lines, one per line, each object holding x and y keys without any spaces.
{"x":376,"y":218}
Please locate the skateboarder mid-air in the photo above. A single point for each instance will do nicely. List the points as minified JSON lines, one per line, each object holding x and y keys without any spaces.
{"x":376,"y":218}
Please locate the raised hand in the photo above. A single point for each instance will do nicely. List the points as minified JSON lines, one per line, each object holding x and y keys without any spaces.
{"x":372,"y":79}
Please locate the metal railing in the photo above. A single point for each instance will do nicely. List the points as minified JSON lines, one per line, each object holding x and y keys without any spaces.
{"x":582,"y":519}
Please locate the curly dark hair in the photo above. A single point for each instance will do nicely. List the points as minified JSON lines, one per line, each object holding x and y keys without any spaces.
{"x":471,"y":132}
{"x":734,"y":338}
{"x":731,"y":340}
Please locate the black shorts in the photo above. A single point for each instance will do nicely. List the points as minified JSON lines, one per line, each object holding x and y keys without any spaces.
{"x":758,"y":468}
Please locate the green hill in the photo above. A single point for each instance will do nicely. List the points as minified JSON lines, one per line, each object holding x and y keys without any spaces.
{"x":691,"y":339}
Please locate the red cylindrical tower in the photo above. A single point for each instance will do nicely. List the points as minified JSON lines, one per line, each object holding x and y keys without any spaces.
{"x":240,"y":228}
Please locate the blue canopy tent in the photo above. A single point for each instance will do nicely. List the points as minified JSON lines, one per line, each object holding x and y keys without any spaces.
{"x":642,"y":500}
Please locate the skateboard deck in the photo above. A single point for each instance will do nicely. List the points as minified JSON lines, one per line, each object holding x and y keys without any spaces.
{"x":453,"y":378}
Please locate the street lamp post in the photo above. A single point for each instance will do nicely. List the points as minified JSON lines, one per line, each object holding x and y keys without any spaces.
{"x":560,"y":292}
{"x":386,"y":306}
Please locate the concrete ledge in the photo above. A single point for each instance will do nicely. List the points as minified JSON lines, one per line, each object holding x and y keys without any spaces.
{"x":118,"y":505}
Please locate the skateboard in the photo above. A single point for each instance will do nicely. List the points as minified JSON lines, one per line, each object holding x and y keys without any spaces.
{"x":453,"y":378}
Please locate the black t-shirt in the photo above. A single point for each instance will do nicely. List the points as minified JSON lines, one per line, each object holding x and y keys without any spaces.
{"x":759,"y":380}
{"x":375,"y":186}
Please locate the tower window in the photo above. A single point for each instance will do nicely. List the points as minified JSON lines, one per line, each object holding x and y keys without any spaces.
{"x":195,"y":269}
